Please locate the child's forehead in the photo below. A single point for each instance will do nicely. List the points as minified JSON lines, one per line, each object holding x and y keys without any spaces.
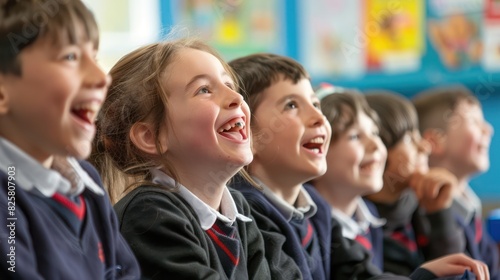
{"x":59,"y":40}
{"x":77,"y":33}
{"x":466,"y":108}
{"x":282,"y":87}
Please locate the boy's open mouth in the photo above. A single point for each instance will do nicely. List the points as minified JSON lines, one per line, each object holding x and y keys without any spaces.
{"x":234,"y":129}
{"x":315,"y":145}
{"x":86,"y":112}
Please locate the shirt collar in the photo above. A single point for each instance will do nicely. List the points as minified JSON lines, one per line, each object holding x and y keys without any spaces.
{"x":304,"y":206}
{"x":30,"y":174}
{"x":206,"y":214}
{"x":467,"y":204}
{"x":360,"y":223}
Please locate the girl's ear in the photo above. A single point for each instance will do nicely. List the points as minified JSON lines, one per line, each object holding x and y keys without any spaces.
{"x":144,"y":138}
{"x":436,"y":138}
{"x":4,"y":98}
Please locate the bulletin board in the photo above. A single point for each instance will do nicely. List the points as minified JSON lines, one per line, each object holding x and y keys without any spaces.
{"x":234,"y":27}
{"x":401,"y":45}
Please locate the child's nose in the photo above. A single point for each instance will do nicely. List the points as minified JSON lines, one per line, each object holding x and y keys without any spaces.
{"x":95,"y":77}
{"x":488,"y":128}
{"x":316,"y":117}
{"x":371,"y":143}
{"x":233,"y":98}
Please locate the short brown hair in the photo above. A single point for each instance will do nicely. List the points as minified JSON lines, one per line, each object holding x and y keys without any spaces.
{"x":342,"y":109}
{"x":137,"y":94}
{"x":397,"y":115}
{"x":436,"y":105}
{"x":22,"y":22}
{"x":258,"y":72}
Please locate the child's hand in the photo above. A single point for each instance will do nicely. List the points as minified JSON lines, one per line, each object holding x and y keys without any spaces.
{"x":456,"y":264}
{"x":434,"y":189}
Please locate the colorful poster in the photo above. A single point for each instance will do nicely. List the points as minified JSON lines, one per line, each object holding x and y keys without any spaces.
{"x":234,"y":27}
{"x":332,"y":37}
{"x":491,"y":56}
{"x":395,"y":35}
{"x":492,"y":12}
{"x":455,"y":30}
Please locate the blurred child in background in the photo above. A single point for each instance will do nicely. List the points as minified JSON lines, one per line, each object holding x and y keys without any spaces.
{"x":451,"y":120}
{"x":356,"y":159}
{"x":414,"y":200}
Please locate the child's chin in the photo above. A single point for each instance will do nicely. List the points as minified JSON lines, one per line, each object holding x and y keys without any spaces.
{"x":80,"y":152}
{"x":243,"y":159}
{"x":321,"y":171}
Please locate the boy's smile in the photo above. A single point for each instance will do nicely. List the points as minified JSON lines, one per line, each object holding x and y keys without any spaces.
{"x":85,"y":112}
{"x":315,"y":145}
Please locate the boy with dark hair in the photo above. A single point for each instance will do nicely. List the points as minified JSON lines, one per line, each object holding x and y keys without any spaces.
{"x":60,"y":221}
{"x":290,"y":139}
{"x":451,"y":119}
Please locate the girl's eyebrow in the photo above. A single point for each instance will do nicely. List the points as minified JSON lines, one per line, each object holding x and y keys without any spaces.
{"x":196,"y":78}
{"x":204,"y":76}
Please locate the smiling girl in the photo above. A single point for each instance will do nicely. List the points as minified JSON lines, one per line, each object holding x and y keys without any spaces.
{"x":176,"y":129}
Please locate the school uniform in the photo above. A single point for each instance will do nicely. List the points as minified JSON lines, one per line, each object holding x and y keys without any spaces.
{"x":478,"y":243}
{"x":303,"y":232}
{"x":357,"y":241}
{"x":412,"y":236}
{"x":365,"y":228}
{"x":175,"y":235}
{"x":62,"y":225}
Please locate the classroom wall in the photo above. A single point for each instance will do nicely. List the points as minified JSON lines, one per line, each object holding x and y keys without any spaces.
{"x":366,"y":44}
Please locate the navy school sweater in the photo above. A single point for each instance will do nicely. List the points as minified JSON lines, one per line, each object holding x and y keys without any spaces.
{"x":351,"y":260}
{"x":277,"y":230}
{"x":479,"y":244}
{"x":412,"y":237}
{"x":165,"y":234}
{"x":44,"y":247}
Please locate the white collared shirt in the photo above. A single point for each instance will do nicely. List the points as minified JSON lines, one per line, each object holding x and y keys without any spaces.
{"x":30,"y":174}
{"x":303,"y":208}
{"x":352,"y":227}
{"x":467,"y":205}
{"x":206,"y":214}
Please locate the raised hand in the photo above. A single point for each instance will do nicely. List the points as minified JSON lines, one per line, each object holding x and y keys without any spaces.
{"x":434,"y":189}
